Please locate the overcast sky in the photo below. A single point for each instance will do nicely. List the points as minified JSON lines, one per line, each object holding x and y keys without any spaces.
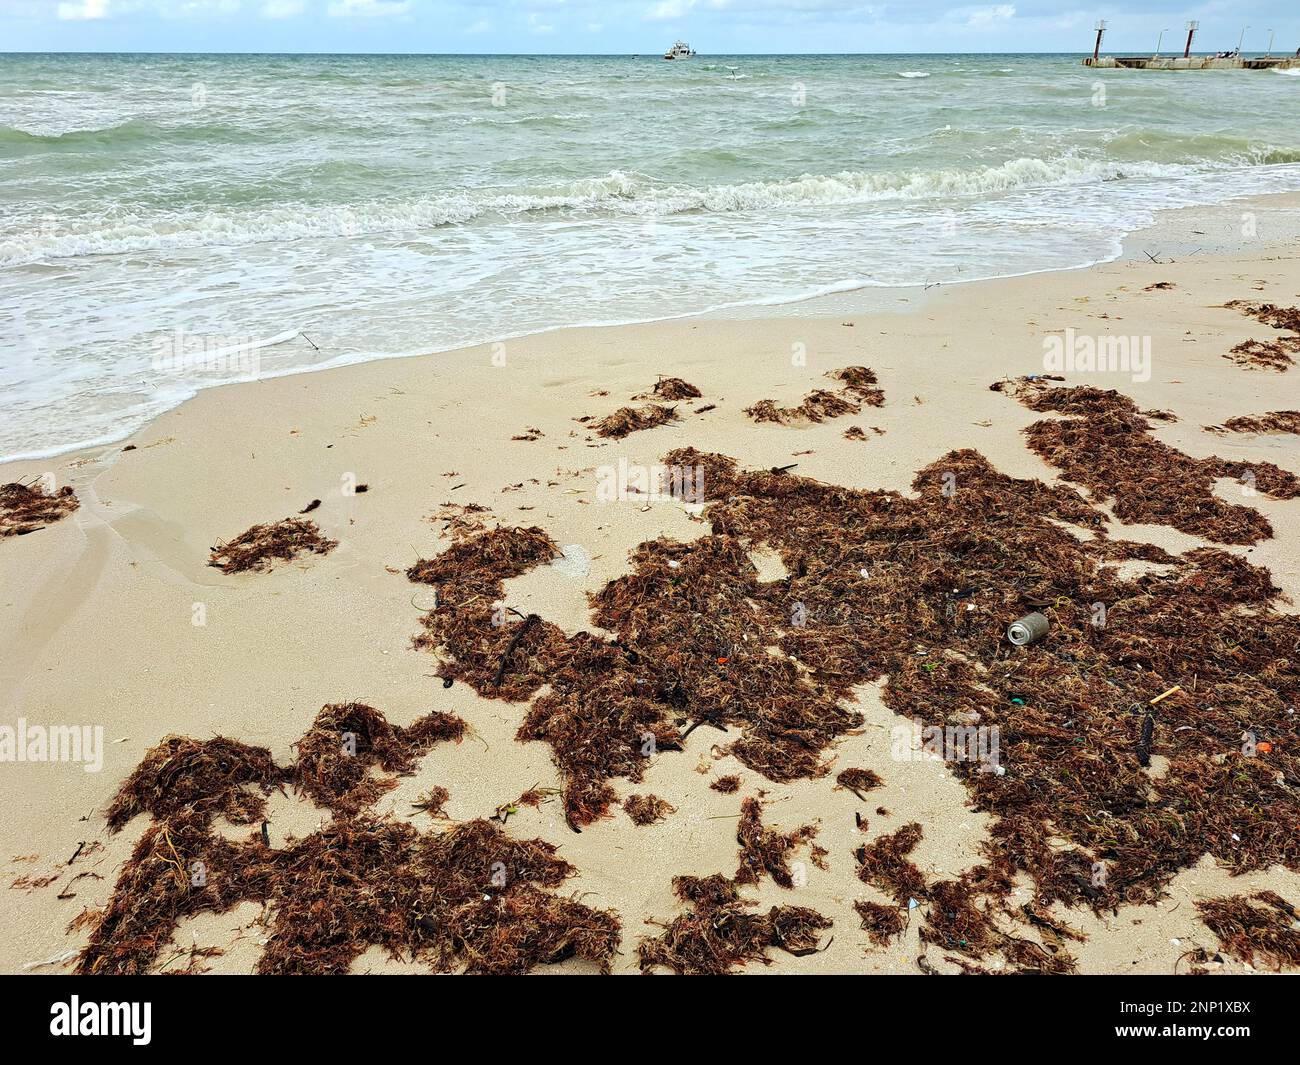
{"x":630,"y":26}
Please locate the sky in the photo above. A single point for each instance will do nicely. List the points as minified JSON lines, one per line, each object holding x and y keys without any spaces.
{"x":633,"y":26}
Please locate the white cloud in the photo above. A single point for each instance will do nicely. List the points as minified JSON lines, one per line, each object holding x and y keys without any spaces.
{"x":667,"y":9}
{"x":283,"y":8}
{"x":88,"y":9}
{"x":368,"y":8}
{"x":981,"y":17}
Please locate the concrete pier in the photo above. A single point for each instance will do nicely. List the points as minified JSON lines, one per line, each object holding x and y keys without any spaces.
{"x":1195,"y":62}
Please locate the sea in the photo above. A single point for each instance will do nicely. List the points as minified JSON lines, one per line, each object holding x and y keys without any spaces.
{"x":174,"y":222}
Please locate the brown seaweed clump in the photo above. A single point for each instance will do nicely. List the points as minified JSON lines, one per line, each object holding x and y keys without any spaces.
{"x":881,"y":923}
{"x":727,"y":785}
{"x":1261,"y":925}
{"x":857,"y":387}
{"x":647,"y":809}
{"x":862,"y":382}
{"x":1274,"y":354}
{"x":884,"y":864}
{"x":469,"y":899}
{"x":336,"y":754}
{"x":720,"y":931}
{"x":859,"y":780}
{"x":915,"y":593}
{"x":1277,"y":421}
{"x":1105,"y":445}
{"x":204,"y":778}
{"x":27,"y":508}
{"x":671,"y":389}
{"x":627,"y":420}
{"x":263,"y":545}
{"x":766,"y":850}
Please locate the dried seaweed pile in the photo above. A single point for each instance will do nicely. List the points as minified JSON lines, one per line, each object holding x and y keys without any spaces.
{"x":336,"y":754}
{"x":920,"y":591}
{"x":1277,"y":421}
{"x":1262,"y":925}
{"x":766,"y":850}
{"x":1276,"y":354}
{"x":647,"y":809}
{"x":1104,"y":444}
{"x":26,"y":508}
{"x":262,"y":546}
{"x":671,"y":389}
{"x":627,"y":420}
{"x":961,"y":915}
{"x":470,"y":898}
{"x":857,"y":388}
{"x":721,"y":931}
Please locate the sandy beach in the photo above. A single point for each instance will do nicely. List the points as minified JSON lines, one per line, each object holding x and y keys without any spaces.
{"x":112,"y":616}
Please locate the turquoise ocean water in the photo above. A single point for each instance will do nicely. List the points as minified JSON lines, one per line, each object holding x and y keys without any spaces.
{"x":398,"y":205}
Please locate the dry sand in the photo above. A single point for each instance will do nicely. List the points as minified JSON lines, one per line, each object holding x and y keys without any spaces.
{"x":97,"y":612}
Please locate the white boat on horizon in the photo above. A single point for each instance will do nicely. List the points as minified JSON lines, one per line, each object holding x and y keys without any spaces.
{"x":680,"y":50}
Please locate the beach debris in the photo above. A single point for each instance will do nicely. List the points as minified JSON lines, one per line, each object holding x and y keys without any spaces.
{"x":671,"y":389}
{"x":336,"y":755}
{"x":1277,"y":421}
{"x":647,"y":809}
{"x":27,"y":508}
{"x":857,"y":388}
{"x":881,"y":923}
{"x":706,"y":643}
{"x":719,"y":932}
{"x":766,"y":850}
{"x":529,"y":435}
{"x":261,"y":546}
{"x":854,"y":432}
{"x":727,"y":785}
{"x":627,"y":420}
{"x":432,"y":802}
{"x":1263,"y":925}
{"x":1104,"y":444}
{"x":858,"y":781}
{"x":1276,"y":354}
{"x":467,"y":899}
{"x":884,"y":864}
{"x":1029,"y":629}
{"x":206,"y":778}
{"x":310,"y":507}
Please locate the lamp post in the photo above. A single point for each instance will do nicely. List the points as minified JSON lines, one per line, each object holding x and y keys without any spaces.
{"x":1159,"y":41}
{"x":1241,"y":38}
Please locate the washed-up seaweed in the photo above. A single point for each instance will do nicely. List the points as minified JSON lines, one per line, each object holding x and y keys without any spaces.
{"x":881,"y":923}
{"x":262,"y":546}
{"x":647,"y":809}
{"x":1105,"y":445}
{"x":336,"y":754}
{"x":1263,"y":925}
{"x":857,"y":387}
{"x":671,"y":389}
{"x":1277,"y":421}
{"x":766,"y":850}
{"x":1276,"y":354}
{"x":917,"y":592}
{"x":859,"y":780}
{"x":884,"y":864}
{"x":728,"y":785}
{"x":204,"y":778}
{"x":720,"y":930}
{"x":27,"y":508}
{"x":627,"y":420}
{"x":468,"y":899}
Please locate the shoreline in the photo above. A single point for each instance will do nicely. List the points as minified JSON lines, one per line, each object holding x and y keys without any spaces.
{"x":99,"y":613}
{"x":854,"y":299}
